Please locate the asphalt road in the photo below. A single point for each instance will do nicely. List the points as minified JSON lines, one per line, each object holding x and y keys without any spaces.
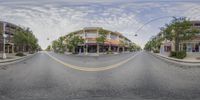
{"x":144,"y":77}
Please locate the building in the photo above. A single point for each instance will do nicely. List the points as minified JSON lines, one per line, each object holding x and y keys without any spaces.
{"x":113,"y":42}
{"x":9,"y":30}
{"x":190,"y":46}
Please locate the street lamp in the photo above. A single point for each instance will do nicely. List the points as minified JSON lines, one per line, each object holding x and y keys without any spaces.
{"x":135,"y":35}
{"x":4,"y":40}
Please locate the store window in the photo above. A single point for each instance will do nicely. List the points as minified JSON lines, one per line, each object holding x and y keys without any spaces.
{"x":189,"y":47}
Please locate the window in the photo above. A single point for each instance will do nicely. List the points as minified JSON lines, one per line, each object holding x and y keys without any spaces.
{"x":81,"y":35}
{"x":197,"y":24}
{"x":114,"y":37}
{"x":91,"y":35}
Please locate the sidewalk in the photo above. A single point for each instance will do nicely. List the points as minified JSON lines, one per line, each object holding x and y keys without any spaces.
{"x":12,"y":55}
{"x":188,"y":59}
{"x":193,"y":56}
{"x":11,"y":58}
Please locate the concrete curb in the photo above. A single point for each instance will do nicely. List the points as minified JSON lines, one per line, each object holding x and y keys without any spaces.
{"x":177,"y":61}
{"x":11,"y":61}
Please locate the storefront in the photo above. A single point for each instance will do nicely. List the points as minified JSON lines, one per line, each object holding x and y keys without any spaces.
{"x":191,"y":46}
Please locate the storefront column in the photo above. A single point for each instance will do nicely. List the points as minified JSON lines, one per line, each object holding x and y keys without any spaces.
{"x":12,"y":48}
{"x":86,"y":50}
{"x":118,"y":49}
{"x":79,"y":50}
{"x":172,"y":46}
{"x":8,"y":48}
{"x":109,"y":48}
{"x":123,"y":49}
{"x":180,"y":47}
{"x":199,"y":48}
{"x":162,"y":50}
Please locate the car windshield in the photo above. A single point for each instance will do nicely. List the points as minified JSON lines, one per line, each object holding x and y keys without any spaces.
{"x":99,"y":50}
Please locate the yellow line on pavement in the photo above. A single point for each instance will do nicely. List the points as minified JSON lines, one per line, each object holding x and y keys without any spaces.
{"x":91,"y":69}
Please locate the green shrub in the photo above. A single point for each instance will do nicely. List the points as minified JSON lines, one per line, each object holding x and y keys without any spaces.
{"x":131,"y":50}
{"x":62,"y":52}
{"x":178,"y":54}
{"x":172,"y":54}
{"x":109,"y":52}
{"x":156,"y":51}
{"x":20,"y":54}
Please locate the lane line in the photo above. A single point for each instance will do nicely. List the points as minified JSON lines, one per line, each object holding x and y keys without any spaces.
{"x":88,"y":69}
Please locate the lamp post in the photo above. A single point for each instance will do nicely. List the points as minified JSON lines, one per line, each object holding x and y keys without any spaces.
{"x":4,"y":40}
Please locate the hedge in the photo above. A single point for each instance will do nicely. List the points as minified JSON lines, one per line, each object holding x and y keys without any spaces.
{"x":20,"y":54}
{"x":178,"y":54}
{"x":156,"y":51}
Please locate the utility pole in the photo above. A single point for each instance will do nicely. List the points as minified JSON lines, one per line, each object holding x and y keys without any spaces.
{"x":4,"y":40}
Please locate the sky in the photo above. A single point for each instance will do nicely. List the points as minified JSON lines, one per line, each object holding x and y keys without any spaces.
{"x":50,"y":19}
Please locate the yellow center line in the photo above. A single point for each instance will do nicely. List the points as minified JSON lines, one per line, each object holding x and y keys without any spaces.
{"x":88,"y":69}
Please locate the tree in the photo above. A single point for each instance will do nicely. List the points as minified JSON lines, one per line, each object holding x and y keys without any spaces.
{"x":58,"y":45}
{"x":72,"y":41}
{"x":178,"y":30}
{"x":153,"y":45}
{"x":25,"y":38}
{"x":61,"y":45}
{"x":134,"y":47}
{"x":55,"y":45}
{"x":48,"y":48}
{"x":101,"y":39}
{"x":31,"y":40}
{"x":20,"y":39}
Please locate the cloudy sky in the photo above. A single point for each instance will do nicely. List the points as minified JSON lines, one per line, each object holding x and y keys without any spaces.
{"x":53,"y":18}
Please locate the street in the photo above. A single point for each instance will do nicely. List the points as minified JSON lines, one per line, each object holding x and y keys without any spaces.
{"x":142,"y":77}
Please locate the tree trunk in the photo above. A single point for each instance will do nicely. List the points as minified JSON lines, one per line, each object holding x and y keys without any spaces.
{"x":177,"y":41}
{"x":103,"y":48}
{"x":29,"y":48}
{"x":73,"y":50}
{"x":98,"y":48}
{"x":23,"y":48}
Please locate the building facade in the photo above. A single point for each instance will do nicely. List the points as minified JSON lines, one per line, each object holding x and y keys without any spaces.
{"x":190,"y":46}
{"x":7,"y":30}
{"x":113,"y":41}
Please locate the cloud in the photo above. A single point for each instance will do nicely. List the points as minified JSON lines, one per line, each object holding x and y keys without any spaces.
{"x":51,"y":19}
